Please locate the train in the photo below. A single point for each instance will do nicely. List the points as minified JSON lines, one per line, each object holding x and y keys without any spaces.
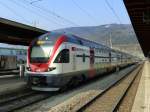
{"x":56,"y":60}
{"x":11,"y":58}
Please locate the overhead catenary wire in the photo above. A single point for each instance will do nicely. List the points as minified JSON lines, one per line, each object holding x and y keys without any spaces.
{"x":53,"y":14}
{"x":35,"y":1}
{"x":89,"y":15}
{"x":14,"y":12}
{"x":84,"y":11}
{"x":37,"y":13}
{"x":113,"y":11}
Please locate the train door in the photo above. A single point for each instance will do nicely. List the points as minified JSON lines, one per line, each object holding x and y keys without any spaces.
{"x":66,"y":65}
{"x":73,"y":58}
{"x":74,"y":61}
{"x":91,"y":57}
{"x":110,"y":58}
{"x":92,"y":71}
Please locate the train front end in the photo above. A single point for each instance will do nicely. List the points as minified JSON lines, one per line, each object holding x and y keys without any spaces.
{"x":41,"y":72}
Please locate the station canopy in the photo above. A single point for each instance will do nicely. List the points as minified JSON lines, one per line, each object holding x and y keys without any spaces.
{"x":139,"y":13}
{"x":16,"y":33}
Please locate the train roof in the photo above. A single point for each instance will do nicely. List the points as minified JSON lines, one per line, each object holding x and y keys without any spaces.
{"x":12,"y":48}
{"x":81,"y":41}
{"x":74,"y":39}
{"x":85,"y":42}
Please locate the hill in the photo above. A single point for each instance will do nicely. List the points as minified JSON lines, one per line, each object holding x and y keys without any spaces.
{"x":120,"y":33}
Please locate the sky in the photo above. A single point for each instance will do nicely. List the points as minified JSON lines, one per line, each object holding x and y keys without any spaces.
{"x":56,"y":14}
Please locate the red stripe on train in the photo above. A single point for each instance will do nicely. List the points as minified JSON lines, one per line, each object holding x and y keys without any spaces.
{"x":56,"y":46}
{"x":41,"y":67}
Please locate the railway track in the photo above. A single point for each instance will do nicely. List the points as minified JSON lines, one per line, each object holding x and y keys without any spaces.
{"x":27,"y":98}
{"x":9,"y":72}
{"x":110,"y":99}
{"x":70,"y":101}
{"x":11,"y":102}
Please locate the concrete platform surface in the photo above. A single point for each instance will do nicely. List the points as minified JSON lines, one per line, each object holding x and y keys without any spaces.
{"x":142,"y":98}
{"x":11,"y":83}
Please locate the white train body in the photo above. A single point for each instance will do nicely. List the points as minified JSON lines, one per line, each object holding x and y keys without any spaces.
{"x":54,"y":60}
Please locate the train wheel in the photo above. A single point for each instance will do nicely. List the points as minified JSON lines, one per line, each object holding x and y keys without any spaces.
{"x":63,"y":88}
{"x":117,"y":69}
{"x":29,"y":83}
{"x":83,"y":78}
{"x":76,"y":81}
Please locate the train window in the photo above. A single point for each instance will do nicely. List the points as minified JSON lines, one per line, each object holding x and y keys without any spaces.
{"x":20,"y":52}
{"x":80,"y":42}
{"x":62,"y":57}
{"x":25,"y":53}
{"x":103,"y":60}
{"x":83,"y":57}
{"x":43,"y":54}
{"x":11,"y":52}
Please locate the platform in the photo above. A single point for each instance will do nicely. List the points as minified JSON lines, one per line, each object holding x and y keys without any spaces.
{"x":142,"y":98}
{"x":11,"y":83}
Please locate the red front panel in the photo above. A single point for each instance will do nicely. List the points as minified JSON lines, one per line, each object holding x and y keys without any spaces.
{"x":43,"y":67}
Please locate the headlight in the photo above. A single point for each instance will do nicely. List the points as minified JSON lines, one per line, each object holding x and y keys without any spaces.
{"x":51,"y":68}
{"x":28,"y":68}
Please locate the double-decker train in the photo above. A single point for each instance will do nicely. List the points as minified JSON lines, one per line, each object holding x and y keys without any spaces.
{"x":55,"y":60}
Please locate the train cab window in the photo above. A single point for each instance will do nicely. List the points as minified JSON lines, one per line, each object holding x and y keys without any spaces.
{"x":62,"y":57}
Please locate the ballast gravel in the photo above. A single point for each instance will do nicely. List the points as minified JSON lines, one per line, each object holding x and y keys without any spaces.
{"x":74,"y":103}
{"x":72,"y":100}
